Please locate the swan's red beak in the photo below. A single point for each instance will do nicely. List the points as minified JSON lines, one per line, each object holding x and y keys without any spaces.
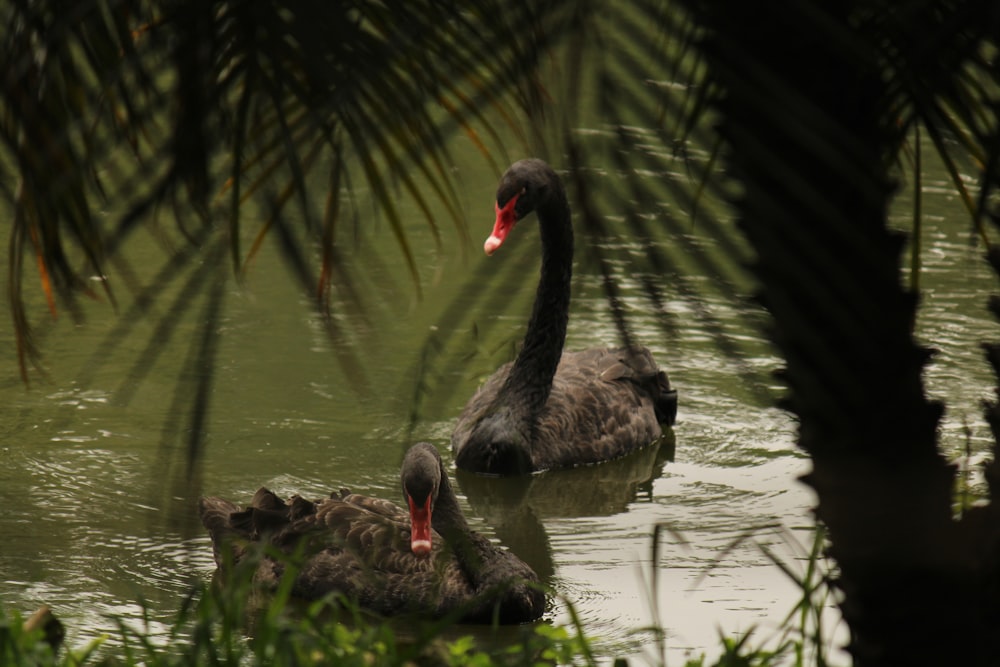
{"x":420,"y":526}
{"x":506,"y":217}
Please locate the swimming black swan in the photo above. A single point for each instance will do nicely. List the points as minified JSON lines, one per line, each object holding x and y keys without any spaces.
{"x":549,"y":408}
{"x":425,"y":561}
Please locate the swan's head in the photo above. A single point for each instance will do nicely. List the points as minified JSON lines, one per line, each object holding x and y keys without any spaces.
{"x":421,"y":479}
{"x":526,"y":185}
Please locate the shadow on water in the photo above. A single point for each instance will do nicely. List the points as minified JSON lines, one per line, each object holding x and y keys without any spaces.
{"x":515,"y":506}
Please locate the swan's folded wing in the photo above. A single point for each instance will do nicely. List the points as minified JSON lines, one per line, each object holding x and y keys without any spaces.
{"x":601,"y":407}
{"x":364,"y":555}
{"x":375,"y":533}
{"x":377,"y":506}
{"x":637,"y":366}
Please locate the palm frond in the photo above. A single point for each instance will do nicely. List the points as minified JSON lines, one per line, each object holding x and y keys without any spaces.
{"x":146,"y":103}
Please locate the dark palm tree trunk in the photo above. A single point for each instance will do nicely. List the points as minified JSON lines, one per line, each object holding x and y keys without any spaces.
{"x":917,"y":585}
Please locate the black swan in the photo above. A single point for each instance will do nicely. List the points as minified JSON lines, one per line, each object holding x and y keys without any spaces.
{"x":390,"y":561}
{"x":549,"y":408}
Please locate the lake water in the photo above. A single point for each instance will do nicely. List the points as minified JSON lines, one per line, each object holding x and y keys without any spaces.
{"x":98,"y":513}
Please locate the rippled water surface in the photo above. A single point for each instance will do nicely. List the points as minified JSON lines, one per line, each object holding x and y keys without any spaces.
{"x":97,"y":517}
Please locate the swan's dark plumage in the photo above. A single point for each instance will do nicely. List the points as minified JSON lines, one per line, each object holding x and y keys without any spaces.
{"x":549,"y":408}
{"x":361,"y":547}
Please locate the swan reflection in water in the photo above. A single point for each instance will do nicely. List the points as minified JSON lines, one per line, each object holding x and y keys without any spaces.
{"x":515,"y":506}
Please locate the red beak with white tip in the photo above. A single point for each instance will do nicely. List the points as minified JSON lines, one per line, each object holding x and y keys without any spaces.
{"x":506,"y":217}
{"x":420,"y":526}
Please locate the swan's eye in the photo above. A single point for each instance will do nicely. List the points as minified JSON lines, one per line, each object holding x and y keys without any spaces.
{"x":523,"y":197}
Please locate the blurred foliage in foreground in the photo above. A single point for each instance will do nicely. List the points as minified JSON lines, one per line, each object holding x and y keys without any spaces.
{"x":231,"y":623}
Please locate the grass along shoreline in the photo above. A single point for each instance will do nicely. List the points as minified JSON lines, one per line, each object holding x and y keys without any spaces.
{"x":229,"y":622}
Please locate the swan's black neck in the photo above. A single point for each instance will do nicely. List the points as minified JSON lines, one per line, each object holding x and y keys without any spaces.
{"x":447,"y":517}
{"x":530,"y":380}
{"x":448,"y":520}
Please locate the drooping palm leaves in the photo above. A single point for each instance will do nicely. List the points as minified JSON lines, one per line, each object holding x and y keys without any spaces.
{"x":202,"y":106}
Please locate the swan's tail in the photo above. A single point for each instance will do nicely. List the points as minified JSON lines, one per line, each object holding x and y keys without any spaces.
{"x":665,"y":401}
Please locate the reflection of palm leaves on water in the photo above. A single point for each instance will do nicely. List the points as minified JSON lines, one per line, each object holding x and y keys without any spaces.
{"x":813,"y":102}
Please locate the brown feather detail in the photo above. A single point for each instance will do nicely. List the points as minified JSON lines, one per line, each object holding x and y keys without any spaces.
{"x":603,"y":404}
{"x":360,"y":547}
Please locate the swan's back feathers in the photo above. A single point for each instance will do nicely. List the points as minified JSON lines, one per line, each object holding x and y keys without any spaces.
{"x":636,"y":365}
{"x":604,"y":403}
{"x":359,"y":547}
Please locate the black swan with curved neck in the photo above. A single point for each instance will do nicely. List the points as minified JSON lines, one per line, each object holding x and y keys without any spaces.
{"x":549,"y":408}
{"x":389,"y":560}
